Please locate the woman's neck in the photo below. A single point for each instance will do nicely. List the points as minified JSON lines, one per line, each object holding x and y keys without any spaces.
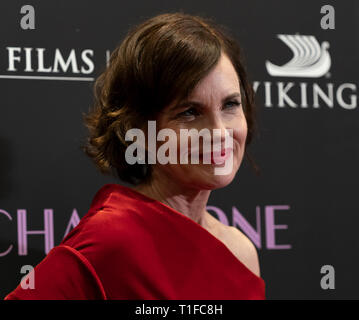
{"x":190,"y":202}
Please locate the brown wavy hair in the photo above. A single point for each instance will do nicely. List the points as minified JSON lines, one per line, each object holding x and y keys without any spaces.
{"x":160,"y":61}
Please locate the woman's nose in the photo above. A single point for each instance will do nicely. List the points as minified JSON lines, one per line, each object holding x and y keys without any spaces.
{"x":218,"y":130}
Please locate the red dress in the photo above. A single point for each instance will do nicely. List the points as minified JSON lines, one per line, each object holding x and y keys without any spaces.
{"x":129,"y":246}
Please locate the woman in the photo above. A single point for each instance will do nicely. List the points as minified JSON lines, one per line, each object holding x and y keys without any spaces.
{"x":155,"y":239}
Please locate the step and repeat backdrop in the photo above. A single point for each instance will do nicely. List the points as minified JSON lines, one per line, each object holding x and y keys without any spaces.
{"x":301,"y":212}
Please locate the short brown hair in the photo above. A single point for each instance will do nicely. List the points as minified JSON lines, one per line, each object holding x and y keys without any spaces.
{"x":159,"y":61}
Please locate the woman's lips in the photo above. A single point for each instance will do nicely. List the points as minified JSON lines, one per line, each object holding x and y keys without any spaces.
{"x":218,"y":157}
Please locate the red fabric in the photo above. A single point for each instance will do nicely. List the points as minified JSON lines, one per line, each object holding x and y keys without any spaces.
{"x":129,"y":246}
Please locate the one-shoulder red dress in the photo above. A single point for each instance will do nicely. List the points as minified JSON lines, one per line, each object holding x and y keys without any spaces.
{"x":130,"y":246}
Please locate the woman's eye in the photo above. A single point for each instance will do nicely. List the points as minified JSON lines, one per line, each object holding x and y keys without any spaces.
{"x":189,"y":112}
{"x":232,"y":104}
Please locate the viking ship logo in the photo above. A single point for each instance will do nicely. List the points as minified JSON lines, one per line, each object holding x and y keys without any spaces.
{"x":309,"y":58}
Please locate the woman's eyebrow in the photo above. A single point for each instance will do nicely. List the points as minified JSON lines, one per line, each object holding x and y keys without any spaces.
{"x":184,"y":103}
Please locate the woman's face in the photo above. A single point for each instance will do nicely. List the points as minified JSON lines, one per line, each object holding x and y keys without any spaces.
{"x":218,"y":106}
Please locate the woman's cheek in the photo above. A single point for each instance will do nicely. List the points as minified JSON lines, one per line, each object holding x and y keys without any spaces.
{"x":240,"y":132}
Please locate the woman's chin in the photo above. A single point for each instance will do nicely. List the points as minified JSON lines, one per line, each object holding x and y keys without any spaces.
{"x":210,"y":179}
{"x":221,"y":181}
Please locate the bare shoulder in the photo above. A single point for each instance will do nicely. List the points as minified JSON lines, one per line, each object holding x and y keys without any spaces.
{"x":237,"y":242}
{"x":243,"y":248}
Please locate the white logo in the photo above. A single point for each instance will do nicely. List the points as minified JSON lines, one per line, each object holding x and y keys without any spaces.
{"x":309,"y":58}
